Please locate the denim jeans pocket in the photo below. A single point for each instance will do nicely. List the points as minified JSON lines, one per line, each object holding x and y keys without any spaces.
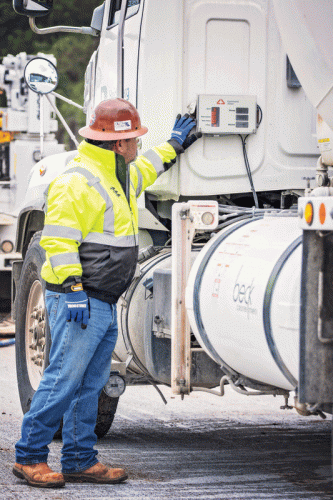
{"x":52,"y":301}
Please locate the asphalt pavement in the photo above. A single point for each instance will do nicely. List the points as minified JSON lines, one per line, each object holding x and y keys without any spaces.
{"x":204,"y":447}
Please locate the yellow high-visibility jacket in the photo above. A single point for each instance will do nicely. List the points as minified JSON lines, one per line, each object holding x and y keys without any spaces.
{"x":90,"y":230}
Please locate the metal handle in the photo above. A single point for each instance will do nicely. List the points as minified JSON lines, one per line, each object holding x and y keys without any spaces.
{"x":324,"y":340}
{"x":120,"y":50}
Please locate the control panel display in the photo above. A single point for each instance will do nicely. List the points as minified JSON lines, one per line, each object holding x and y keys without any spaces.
{"x":221,"y":114}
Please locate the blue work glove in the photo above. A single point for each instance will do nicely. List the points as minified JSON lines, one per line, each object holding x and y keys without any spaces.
{"x":182,"y":127}
{"x":78,"y":307}
{"x":190,"y":139}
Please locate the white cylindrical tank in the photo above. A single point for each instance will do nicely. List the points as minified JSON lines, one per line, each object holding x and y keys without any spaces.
{"x":132,"y":314}
{"x":243,"y":299}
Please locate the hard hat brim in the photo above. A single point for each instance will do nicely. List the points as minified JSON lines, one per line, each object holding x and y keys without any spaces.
{"x":89,"y":133}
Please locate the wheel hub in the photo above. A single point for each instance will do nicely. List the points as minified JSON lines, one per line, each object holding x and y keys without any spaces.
{"x":35,"y":337}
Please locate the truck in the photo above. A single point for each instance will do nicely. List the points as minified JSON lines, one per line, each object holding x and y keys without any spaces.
{"x":235,"y":282}
{"x":19,"y":152}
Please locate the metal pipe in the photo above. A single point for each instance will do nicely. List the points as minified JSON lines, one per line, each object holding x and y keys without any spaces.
{"x":252,"y":393}
{"x":120,"y":50}
{"x":61,"y":118}
{"x":56,"y":29}
{"x":308,"y":410}
{"x":228,"y":380}
{"x":41,"y":129}
{"x":224,"y":380}
{"x":322,"y":173}
{"x":182,"y":236}
{"x":67,"y":100}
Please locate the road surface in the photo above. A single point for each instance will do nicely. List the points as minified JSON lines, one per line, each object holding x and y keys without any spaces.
{"x":204,"y":447}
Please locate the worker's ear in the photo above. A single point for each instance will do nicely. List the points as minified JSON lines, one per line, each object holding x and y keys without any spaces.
{"x":120,"y":147}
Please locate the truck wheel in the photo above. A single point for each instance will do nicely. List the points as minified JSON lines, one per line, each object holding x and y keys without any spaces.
{"x":32,"y":333}
{"x":107,"y":408}
{"x":33,"y":339}
{"x":106,"y":411}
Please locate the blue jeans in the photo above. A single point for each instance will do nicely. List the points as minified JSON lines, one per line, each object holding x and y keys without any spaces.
{"x":79,"y":368}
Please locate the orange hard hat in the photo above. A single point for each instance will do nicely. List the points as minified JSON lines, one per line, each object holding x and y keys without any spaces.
{"x":112,"y":120}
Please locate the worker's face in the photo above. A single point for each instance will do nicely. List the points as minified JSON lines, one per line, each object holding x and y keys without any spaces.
{"x":128,"y":148}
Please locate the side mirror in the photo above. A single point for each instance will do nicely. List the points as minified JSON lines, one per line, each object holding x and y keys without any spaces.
{"x":41,"y":75}
{"x":33,"y":8}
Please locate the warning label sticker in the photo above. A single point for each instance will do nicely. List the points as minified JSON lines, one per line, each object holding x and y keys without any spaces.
{"x":324,"y":145}
{"x":126,"y":125}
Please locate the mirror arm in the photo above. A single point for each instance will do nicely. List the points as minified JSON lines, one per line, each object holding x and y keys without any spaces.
{"x":41,"y":119}
{"x":67,"y":100}
{"x":68,"y":29}
{"x":61,"y":118}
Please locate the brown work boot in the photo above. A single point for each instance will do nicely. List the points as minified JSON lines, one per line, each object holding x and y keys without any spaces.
{"x":98,"y":473}
{"x":39,"y":475}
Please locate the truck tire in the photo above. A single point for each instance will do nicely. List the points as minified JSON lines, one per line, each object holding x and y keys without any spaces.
{"x":106,"y":411}
{"x":107,"y":408}
{"x":33,"y":339}
{"x":32,"y":333}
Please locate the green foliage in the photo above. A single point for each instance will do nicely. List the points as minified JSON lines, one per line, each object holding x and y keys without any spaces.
{"x":72,"y":51}
{"x":72,"y":54}
{"x":15,"y":34}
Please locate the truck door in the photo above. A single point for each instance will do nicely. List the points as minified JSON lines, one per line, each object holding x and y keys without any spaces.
{"x":107,"y":69}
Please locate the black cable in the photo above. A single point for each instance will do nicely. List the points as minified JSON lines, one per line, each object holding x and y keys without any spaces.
{"x":255,"y":197}
{"x":248,"y":170}
{"x":260,"y":115}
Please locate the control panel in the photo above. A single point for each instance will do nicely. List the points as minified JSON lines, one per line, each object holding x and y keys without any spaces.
{"x":227,"y":114}
{"x":205,"y":214}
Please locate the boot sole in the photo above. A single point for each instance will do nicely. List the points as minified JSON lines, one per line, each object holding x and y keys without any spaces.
{"x":21,"y":475}
{"x":81,"y":478}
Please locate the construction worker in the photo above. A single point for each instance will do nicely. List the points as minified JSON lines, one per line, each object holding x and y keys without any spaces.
{"x":90,"y":238}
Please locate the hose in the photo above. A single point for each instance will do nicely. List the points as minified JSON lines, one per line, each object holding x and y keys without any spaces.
{"x":5,"y":343}
{"x":227,"y":209}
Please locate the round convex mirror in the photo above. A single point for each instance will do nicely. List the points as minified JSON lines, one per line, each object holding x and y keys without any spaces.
{"x":41,"y":75}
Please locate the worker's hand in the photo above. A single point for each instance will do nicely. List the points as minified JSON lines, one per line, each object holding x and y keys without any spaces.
{"x":190,"y":139}
{"x":78,"y":307}
{"x":182,"y":128}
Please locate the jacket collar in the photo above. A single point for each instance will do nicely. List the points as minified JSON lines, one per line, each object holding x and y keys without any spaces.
{"x":106,"y":161}
{"x":102,"y":157}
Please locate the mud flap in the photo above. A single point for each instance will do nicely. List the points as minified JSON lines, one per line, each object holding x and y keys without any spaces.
{"x":316,"y":319}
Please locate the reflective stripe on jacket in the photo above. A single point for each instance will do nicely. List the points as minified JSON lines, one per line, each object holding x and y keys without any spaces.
{"x":90,"y":229}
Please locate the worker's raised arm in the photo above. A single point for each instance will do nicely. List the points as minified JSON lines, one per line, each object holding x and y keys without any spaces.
{"x":150,"y":165}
